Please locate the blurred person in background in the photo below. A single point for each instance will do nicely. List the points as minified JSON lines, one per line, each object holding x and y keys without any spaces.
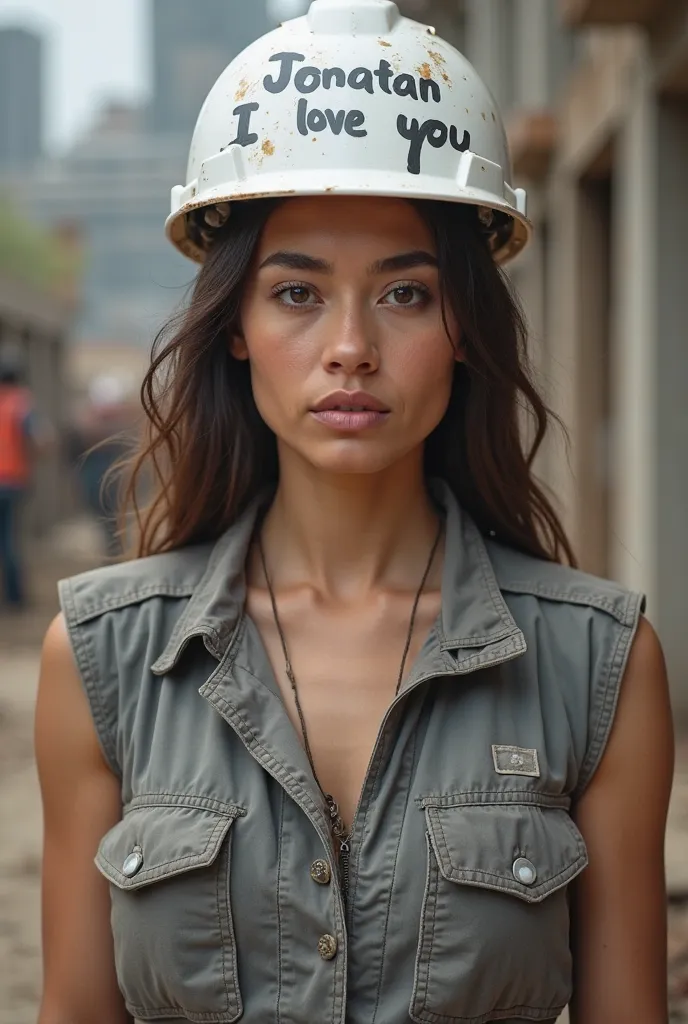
{"x":102,"y":434}
{"x":351,"y":738}
{"x":24,"y":434}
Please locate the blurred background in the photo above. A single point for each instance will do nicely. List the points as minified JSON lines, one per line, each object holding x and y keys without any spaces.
{"x":97,"y":106}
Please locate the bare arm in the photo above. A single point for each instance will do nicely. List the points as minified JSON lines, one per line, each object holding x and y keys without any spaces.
{"x":81,"y":801}
{"x":620,"y":908}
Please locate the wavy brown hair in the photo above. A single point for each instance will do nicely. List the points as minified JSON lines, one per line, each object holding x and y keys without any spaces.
{"x":209,"y":453}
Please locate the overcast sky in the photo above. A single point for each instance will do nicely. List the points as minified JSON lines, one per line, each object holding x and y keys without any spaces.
{"x":96,"y":49}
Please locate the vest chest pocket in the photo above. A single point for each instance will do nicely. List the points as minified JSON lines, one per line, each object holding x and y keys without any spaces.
{"x":494,"y":930}
{"x":168,"y":863}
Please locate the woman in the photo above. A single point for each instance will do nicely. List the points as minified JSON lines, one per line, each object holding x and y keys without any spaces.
{"x":348,"y":742}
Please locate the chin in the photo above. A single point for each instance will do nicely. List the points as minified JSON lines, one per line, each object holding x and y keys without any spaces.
{"x":353,"y":458}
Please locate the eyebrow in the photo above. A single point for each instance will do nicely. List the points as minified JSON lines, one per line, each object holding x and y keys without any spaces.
{"x":288,"y":260}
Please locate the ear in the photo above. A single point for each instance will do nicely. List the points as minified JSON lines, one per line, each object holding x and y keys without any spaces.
{"x":238,"y":347}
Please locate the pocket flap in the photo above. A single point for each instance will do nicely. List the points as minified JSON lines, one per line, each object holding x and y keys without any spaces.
{"x":155,"y":841}
{"x":498,"y":846}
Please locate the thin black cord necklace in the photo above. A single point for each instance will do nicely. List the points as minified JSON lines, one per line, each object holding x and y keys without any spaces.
{"x":338,"y":827}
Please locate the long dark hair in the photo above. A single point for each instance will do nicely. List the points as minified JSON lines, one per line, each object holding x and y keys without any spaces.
{"x":209,"y":453}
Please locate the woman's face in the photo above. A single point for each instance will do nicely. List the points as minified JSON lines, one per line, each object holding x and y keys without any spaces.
{"x":342,"y":324}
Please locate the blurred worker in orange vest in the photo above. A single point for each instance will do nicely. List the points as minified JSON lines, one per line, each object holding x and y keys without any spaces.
{"x":20,"y":436}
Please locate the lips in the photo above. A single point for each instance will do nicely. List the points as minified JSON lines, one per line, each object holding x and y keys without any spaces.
{"x":350,"y":402}
{"x":350,"y":412}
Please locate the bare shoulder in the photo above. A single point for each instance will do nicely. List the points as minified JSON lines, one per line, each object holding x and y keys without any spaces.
{"x":643,"y":728}
{"x":81,"y":802}
{"x":636,"y":770}
{"x":620,"y":910}
{"x":63,"y":719}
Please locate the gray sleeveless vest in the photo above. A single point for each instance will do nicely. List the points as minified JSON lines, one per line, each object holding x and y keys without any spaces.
{"x":226,"y":904}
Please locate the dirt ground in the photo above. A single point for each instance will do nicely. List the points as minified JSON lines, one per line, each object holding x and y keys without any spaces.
{"x":20,"y":822}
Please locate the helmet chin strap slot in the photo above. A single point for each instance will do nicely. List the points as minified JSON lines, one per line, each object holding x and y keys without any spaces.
{"x":482,"y":175}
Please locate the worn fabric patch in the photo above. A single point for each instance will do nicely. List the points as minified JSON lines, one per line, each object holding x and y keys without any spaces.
{"x":516,"y":761}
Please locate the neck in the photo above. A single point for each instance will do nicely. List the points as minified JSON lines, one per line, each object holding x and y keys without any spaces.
{"x":348,"y":534}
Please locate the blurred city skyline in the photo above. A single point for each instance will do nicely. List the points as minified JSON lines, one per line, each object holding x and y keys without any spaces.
{"x":94,"y":54}
{"x":97,"y":54}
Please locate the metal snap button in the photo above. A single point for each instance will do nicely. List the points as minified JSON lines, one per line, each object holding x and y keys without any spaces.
{"x":133,"y":863}
{"x":321,"y":873}
{"x":524,"y":871}
{"x":327,"y":947}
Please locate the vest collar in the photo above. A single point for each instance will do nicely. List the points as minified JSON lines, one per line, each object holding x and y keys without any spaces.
{"x":474,"y":615}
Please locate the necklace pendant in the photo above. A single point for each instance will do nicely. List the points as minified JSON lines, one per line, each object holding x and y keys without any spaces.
{"x":332,"y":805}
{"x":338,"y":826}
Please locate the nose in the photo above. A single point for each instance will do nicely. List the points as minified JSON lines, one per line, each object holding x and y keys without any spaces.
{"x":352,"y":345}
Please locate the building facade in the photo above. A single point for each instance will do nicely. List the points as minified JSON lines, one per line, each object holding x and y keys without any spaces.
{"x":115,"y":185}
{"x":596,"y":96}
{"x":192,"y":45}
{"x":21,"y":98}
{"x":115,"y":182}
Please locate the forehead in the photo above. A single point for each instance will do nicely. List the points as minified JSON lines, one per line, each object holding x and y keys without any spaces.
{"x":320,"y":224}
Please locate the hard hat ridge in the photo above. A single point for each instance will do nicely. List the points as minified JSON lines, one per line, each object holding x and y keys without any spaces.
{"x":353,"y":17}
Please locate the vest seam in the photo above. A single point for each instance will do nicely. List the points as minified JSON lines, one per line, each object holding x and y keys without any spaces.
{"x":601,"y":603}
{"x":605,"y":700}
{"x":88,"y":671}
{"x":392,"y":881}
{"x":218,"y":895}
{"x":280,"y":854}
{"x":163,"y":798}
{"x":373,"y":783}
{"x":436,"y":878}
{"x":550,"y":801}
{"x":515,"y":644}
{"x":474,"y":641}
{"x":88,"y":611}
{"x":486,"y":1018}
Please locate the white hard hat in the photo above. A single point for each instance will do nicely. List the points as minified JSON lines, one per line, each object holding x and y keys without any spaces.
{"x":351,"y":99}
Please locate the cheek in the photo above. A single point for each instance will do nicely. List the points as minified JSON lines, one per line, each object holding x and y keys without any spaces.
{"x":426,"y":367}
{"x":278,"y":350}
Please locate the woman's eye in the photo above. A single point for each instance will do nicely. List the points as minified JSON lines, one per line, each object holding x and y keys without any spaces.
{"x":295,"y":295}
{"x":407,"y":295}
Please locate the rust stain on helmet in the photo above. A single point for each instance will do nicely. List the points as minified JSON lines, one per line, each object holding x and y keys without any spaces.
{"x":440,"y":61}
{"x":268,"y":148}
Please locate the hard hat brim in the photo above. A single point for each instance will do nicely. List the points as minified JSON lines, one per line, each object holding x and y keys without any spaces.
{"x":363,"y":183}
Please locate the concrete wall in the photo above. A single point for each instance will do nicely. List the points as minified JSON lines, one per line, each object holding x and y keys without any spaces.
{"x":670,"y":520}
{"x":605,"y":285}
